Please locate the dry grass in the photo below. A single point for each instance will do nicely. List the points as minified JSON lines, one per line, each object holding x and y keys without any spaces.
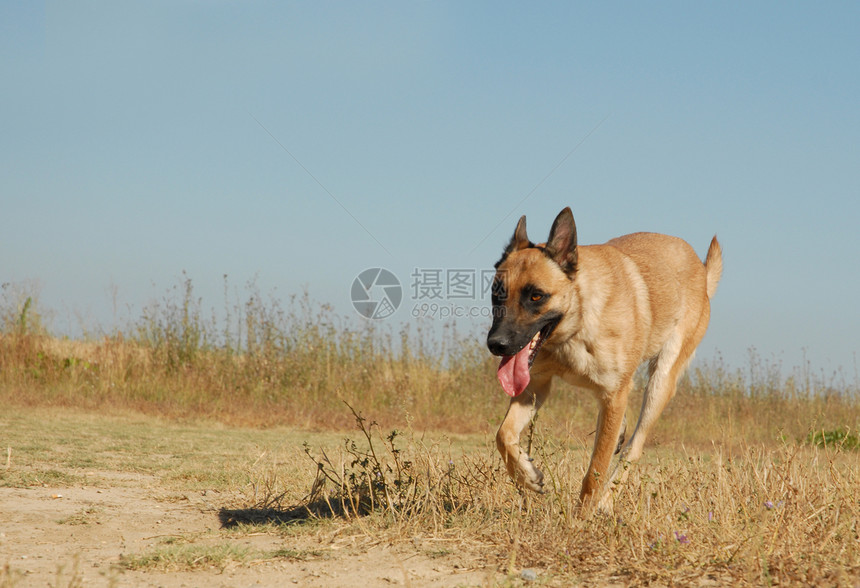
{"x":266,"y":366}
{"x":741,"y":482}
{"x":262,"y":365}
{"x":775,"y":513}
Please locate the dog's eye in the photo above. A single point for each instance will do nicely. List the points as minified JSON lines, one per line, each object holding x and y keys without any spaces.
{"x":533,"y":296}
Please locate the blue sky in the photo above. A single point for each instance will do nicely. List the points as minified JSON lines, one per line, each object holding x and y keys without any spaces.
{"x":300,"y":143}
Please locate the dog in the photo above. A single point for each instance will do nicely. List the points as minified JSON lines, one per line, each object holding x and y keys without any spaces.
{"x":591,"y":315}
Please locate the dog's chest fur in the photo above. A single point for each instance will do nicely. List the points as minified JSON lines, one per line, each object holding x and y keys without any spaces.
{"x":606,"y":332}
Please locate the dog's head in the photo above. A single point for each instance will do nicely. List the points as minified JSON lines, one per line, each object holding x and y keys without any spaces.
{"x":531,"y":292}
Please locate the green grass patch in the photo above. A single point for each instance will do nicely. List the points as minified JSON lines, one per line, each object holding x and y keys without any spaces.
{"x":184,"y":557}
{"x":173,"y":556}
{"x":39,"y":476}
{"x":841,"y":438}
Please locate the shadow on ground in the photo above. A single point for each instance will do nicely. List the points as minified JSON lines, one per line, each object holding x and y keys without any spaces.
{"x":318,"y":509}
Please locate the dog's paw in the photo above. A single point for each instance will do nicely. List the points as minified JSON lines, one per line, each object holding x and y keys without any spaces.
{"x":606,"y":504}
{"x":528,"y":476}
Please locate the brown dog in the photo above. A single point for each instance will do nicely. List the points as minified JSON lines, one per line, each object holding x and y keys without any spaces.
{"x":591,"y":315}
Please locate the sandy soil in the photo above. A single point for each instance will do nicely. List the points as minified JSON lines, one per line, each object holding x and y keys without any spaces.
{"x":76,"y":536}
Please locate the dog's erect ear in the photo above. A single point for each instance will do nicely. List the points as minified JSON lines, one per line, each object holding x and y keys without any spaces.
{"x":561,"y":245}
{"x":520,"y":240}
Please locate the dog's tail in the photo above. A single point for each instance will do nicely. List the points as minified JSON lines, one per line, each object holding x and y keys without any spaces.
{"x":713,"y":266}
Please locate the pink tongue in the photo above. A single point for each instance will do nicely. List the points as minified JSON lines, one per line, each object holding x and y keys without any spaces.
{"x":514,"y":372}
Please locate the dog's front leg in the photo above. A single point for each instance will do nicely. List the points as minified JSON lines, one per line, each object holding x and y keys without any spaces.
{"x":610,"y":420}
{"x":520,"y":412}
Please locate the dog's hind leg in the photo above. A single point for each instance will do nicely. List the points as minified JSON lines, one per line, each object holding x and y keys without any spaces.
{"x":664,"y":372}
{"x":520,"y":412}
{"x":622,"y":436}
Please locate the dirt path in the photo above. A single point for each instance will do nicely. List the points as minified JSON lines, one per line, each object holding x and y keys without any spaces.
{"x":76,"y":537}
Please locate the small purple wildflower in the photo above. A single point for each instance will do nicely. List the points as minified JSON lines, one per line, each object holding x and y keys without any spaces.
{"x":768,"y":504}
{"x":682,"y":539}
{"x":710,"y":516}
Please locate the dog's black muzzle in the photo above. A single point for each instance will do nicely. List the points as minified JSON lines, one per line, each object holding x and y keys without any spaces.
{"x":500,"y":342}
{"x":503,"y":338}
{"x":508,"y":338}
